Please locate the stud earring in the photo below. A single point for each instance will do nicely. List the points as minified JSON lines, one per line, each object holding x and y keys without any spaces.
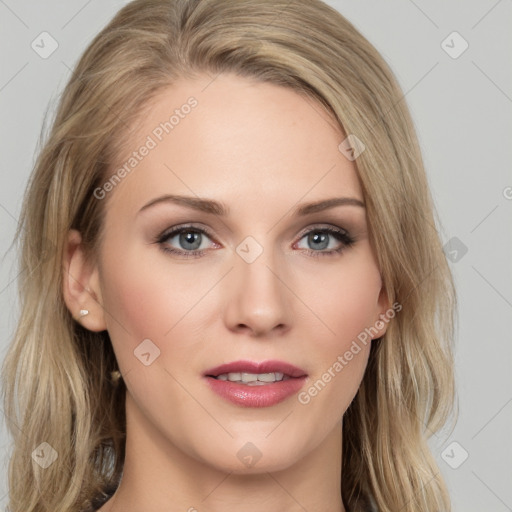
{"x":115,"y":376}
{"x":83,"y":312}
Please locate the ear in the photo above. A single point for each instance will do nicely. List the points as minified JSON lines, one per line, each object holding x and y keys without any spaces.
{"x":382,"y":321}
{"x":81,"y":285}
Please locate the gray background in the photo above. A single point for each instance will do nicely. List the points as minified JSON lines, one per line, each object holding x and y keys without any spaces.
{"x":462,"y":110}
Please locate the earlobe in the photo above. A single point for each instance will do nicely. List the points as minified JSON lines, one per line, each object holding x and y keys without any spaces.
{"x":81,"y":285}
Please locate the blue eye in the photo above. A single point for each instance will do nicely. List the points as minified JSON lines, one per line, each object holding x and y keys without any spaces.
{"x":321,"y":236}
{"x":190,"y":241}
{"x":189,"y":238}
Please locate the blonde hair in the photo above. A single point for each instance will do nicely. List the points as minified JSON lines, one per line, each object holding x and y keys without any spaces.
{"x":56,"y":374}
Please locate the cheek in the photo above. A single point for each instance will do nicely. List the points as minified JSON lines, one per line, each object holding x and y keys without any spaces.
{"x":143,"y":301}
{"x":344,"y":298}
{"x":347,"y":305}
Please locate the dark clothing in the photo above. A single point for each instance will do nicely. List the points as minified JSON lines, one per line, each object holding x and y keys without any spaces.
{"x":100,"y":500}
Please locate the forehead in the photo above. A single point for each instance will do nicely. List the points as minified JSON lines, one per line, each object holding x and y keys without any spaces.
{"x":235,"y":139}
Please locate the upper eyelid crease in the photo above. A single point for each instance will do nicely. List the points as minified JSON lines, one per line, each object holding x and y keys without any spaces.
{"x":220,"y":209}
{"x":319,"y":226}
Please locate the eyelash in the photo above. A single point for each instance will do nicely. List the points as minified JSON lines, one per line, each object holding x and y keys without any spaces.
{"x":338,"y":233}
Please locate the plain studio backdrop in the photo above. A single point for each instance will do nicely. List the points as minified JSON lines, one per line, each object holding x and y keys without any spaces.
{"x":452,"y":60}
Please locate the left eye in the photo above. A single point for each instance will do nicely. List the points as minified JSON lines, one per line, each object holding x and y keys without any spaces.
{"x":320,"y":239}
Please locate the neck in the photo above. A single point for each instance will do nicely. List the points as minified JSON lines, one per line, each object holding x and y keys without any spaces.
{"x":159,"y":476}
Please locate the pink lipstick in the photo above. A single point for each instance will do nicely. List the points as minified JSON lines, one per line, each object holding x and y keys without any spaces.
{"x":252,"y":384}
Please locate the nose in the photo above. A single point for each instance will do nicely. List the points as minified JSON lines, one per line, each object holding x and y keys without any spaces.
{"x":258,"y":298}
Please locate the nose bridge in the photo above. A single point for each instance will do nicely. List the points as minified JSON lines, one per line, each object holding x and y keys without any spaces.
{"x":259,"y":295}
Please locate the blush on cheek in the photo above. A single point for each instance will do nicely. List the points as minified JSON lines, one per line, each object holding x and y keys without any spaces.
{"x":351,"y":308}
{"x":131,"y":310}
{"x":146,"y":304}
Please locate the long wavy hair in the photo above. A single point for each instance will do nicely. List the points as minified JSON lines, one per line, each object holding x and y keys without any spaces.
{"x":56,"y":381}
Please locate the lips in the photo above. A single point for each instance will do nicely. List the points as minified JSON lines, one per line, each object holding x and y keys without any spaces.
{"x":256,"y":368}
{"x":268,"y":393}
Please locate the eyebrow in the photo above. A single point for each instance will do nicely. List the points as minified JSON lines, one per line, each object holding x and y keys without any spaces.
{"x":219,"y":208}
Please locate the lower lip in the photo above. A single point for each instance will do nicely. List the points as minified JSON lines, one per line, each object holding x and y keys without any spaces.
{"x":256,"y":396}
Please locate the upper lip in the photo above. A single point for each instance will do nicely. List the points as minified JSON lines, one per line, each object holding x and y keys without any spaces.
{"x":256,"y":368}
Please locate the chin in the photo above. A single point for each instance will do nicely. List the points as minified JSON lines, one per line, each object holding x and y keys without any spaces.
{"x":247,"y":459}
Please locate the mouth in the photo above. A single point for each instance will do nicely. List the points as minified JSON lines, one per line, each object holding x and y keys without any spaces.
{"x":250,"y":372}
{"x":252,"y":384}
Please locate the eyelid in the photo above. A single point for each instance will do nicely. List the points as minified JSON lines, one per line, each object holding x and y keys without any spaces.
{"x":200,"y":227}
{"x":320,"y":226}
{"x":168,"y":231}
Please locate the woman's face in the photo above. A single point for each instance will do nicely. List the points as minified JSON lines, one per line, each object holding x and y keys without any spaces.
{"x":259,"y":282}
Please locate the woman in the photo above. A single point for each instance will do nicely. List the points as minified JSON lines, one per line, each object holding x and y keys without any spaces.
{"x":233,"y":290}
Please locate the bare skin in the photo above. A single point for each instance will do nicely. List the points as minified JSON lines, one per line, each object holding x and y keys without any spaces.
{"x":262,"y":150}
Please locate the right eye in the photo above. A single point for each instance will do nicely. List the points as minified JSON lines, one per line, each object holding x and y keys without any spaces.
{"x":188,"y":238}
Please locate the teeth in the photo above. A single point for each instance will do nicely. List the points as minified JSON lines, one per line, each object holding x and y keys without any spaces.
{"x":249,"y":377}
{"x":253,"y":379}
